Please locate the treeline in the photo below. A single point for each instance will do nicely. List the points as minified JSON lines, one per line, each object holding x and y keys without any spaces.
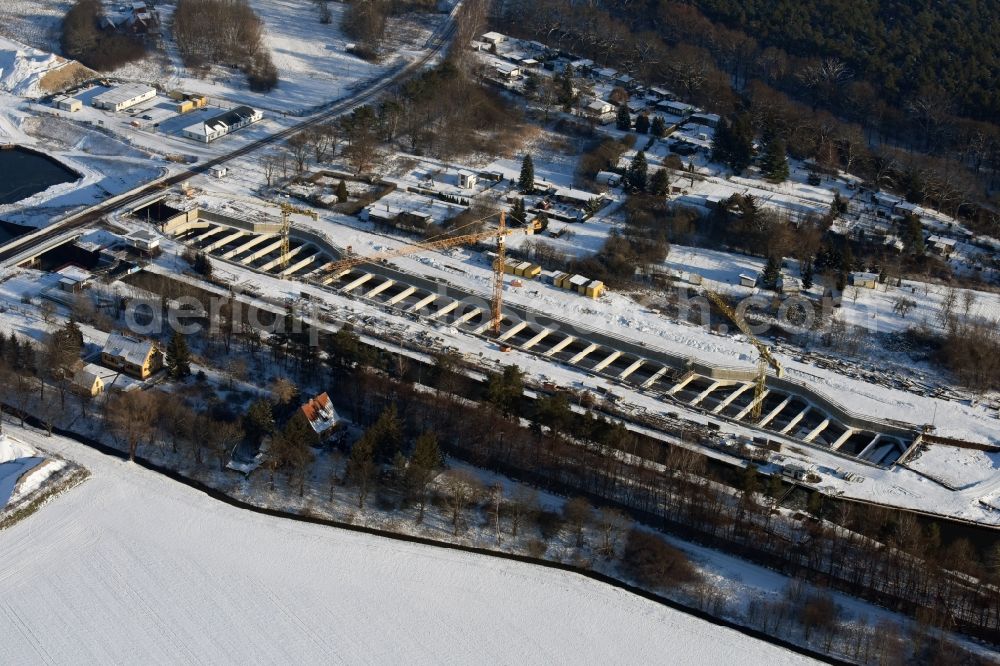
{"x":906,"y":48}
{"x":84,"y":39}
{"x":226,"y":33}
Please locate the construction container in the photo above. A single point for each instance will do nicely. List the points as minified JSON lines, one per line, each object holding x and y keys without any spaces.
{"x":521,"y":267}
{"x":532,"y":271}
{"x":595,"y":289}
{"x":578,"y":283}
{"x":560,"y":280}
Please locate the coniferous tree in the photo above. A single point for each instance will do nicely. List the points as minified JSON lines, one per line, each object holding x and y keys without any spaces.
{"x":637,"y":172}
{"x":361,"y":467}
{"x":806,"y":271}
{"x":178,"y":357}
{"x":420,"y":470}
{"x":526,"y":182}
{"x":659,"y":184}
{"x":772,"y":272}
{"x":659,"y":127}
{"x":518,"y":212}
{"x":733,"y":143}
{"x":342,"y":193}
{"x":564,"y":88}
{"x":623,"y":120}
{"x":259,"y":421}
{"x":775,"y":164}
{"x":642,"y":124}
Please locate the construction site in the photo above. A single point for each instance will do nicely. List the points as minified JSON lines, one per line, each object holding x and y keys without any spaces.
{"x":764,"y":399}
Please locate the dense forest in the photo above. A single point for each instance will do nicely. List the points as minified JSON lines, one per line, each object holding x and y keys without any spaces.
{"x":907,"y":48}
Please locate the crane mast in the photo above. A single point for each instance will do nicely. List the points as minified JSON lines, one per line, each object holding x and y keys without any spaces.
{"x":496,"y":304}
{"x":765,"y":357}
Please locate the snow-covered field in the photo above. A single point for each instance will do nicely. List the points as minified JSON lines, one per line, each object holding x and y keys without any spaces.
{"x":133,"y":567}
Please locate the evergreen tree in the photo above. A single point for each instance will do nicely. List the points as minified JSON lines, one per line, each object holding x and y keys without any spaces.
{"x":914,"y":234}
{"x":623,"y":120}
{"x":420,"y":470}
{"x":733,"y":143}
{"x":642,"y":124}
{"x":259,"y":421}
{"x":543,"y":220}
{"x":806,"y":271}
{"x":178,"y":357}
{"x":517,"y":212}
{"x":526,"y":182}
{"x":659,"y":128}
{"x":564,"y":88}
{"x":775,"y":164}
{"x":504,"y":391}
{"x":361,"y":467}
{"x":637,"y":172}
{"x":659,"y":184}
{"x":342,"y":192}
{"x":772,"y":272}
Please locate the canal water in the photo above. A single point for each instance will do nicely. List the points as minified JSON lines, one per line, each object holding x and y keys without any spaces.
{"x":24,"y":173}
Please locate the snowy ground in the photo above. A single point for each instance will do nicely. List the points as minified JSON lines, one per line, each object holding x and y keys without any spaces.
{"x":23,"y":470}
{"x":131,"y":561}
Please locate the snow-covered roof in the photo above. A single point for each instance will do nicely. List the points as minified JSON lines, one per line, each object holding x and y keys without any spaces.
{"x":123,"y":93}
{"x":320,"y":413}
{"x":132,"y":350}
{"x":939,"y":240}
{"x":88,"y":374}
{"x":74,"y":273}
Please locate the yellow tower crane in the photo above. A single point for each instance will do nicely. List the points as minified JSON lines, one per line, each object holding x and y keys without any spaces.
{"x":765,"y":358}
{"x":286,"y":226}
{"x":336,"y":268}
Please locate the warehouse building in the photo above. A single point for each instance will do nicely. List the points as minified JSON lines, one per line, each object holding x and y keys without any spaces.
{"x":124,"y":96}
{"x":221,"y":125}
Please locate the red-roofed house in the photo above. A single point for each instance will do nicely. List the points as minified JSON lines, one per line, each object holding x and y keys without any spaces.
{"x":321,"y":415}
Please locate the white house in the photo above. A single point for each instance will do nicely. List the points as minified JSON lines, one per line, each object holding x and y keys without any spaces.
{"x":142,"y":240}
{"x":507,"y":70}
{"x":223,"y":124}
{"x":70,"y":104}
{"x":466,"y":179}
{"x":124,"y":96}
{"x":493,"y":38}
{"x":866,"y":280}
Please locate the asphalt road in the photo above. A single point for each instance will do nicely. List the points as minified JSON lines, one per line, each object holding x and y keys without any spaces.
{"x":438,"y":41}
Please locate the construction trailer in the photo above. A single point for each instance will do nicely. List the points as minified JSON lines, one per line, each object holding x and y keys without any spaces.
{"x":124,"y":96}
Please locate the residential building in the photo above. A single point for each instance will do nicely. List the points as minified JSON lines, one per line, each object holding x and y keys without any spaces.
{"x":493,"y":38}
{"x":134,"y":357}
{"x":865,"y":280}
{"x":321,"y":415}
{"x":222,"y":124}
{"x":144,"y":241}
{"x":466,"y":180}
{"x":87,"y":380}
